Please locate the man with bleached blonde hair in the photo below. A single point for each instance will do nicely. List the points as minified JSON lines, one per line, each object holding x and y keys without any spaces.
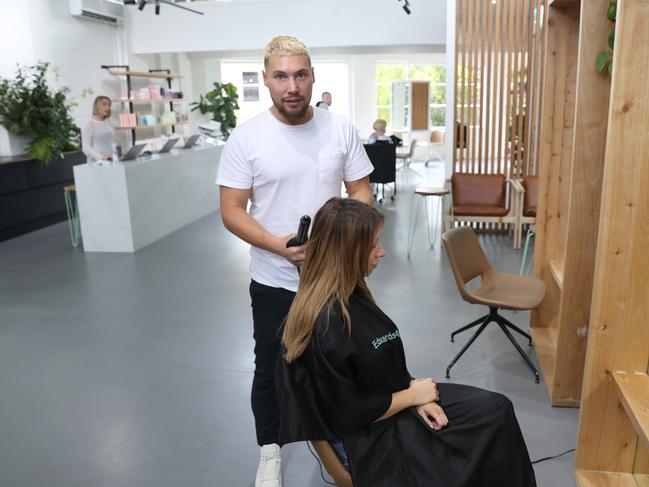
{"x":287,"y":162}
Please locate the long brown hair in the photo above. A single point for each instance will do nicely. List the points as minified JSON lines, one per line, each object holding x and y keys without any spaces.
{"x":336,"y":262}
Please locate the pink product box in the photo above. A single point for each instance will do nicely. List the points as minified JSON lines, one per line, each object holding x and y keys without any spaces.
{"x":154,"y":92}
{"x":127,"y":120}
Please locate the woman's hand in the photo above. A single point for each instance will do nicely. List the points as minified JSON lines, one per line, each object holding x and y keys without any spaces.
{"x":433,"y":415}
{"x":423,"y":391}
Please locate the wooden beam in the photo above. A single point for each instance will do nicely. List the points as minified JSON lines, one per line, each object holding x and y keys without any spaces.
{"x":618,"y":333}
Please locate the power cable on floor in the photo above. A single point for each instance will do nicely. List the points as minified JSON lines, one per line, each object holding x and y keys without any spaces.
{"x":308,"y":445}
{"x":552,"y":457}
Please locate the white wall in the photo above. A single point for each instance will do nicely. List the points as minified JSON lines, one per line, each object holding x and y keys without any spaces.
{"x":15,"y":38}
{"x":43,"y":30}
{"x":241,"y":25}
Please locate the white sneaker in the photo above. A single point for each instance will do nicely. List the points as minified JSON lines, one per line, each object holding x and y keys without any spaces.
{"x":269,"y":472}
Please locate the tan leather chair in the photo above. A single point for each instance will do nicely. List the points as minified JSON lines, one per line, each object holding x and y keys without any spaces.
{"x":483,"y":198}
{"x":332,"y":463}
{"x":496,"y":290}
{"x":531,"y":196}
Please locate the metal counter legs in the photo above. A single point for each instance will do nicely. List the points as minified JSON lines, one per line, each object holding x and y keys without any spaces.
{"x":72,"y":208}
{"x":420,"y":195}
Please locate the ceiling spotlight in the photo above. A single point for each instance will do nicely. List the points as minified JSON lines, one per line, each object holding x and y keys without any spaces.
{"x":406,"y":6}
{"x":142,"y":3}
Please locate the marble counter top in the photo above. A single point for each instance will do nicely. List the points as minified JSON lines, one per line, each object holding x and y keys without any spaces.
{"x":126,"y":206}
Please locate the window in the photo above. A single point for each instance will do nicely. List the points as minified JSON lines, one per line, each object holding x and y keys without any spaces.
{"x":386,"y":74}
{"x":254,"y":97}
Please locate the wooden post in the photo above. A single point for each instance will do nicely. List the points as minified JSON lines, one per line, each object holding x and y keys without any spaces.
{"x":618,"y":334}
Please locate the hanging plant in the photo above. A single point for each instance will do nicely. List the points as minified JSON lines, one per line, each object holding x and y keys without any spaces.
{"x":28,"y":106}
{"x":220,"y":103}
{"x":604,"y":59}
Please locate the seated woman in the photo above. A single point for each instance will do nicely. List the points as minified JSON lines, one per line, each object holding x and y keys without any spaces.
{"x":344,"y":375}
{"x":379,"y":127}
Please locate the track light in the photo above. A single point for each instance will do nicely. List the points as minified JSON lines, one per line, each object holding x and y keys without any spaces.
{"x":406,"y":6}
{"x":142,"y":3}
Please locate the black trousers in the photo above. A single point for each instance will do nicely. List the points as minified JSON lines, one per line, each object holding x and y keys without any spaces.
{"x":270,"y":306}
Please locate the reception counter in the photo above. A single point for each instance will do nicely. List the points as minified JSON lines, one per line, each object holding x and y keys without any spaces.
{"x":126,"y":206}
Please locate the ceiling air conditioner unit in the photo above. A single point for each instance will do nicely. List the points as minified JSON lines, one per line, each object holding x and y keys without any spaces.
{"x":106,"y":11}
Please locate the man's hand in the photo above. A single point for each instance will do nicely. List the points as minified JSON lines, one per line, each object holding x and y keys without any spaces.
{"x":433,"y":415}
{"x":295,"y":255}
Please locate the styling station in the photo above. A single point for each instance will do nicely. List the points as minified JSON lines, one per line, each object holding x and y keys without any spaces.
{"x":128,"y":205}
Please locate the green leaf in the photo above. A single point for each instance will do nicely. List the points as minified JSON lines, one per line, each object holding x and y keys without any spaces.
{"x":220,"y":103}
{"x":610,"y":68}
{"x":611,"y":38}
{"x":611,"y":13}
{"x":602,"y":59}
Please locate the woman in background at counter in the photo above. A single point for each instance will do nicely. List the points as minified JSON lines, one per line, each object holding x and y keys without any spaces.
{"x":98,"y":134}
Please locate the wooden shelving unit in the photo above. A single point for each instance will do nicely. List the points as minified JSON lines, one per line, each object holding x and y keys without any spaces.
{"x":572,"y":133}
{"x":163,"y":74}
{"x":141,"y":101}
{"x":144,"y":74}
{"x":633,"y":393}
{"x":612,"y":443}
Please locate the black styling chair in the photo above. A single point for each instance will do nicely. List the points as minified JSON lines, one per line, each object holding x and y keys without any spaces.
{"x":384,"y":159}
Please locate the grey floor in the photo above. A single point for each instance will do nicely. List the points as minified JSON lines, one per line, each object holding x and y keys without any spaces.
{"x":135,"y":370}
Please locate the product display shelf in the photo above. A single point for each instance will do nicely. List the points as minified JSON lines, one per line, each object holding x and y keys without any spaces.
{"x":612,"y":442}
{"x":571,"y":161}
{"x":152,"y":126}
{"x":164,"y":74}
{"x":143,"y":74}
{"x":144,"y":101}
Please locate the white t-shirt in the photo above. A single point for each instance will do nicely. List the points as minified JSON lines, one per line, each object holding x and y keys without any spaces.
{"x":291,"y":170}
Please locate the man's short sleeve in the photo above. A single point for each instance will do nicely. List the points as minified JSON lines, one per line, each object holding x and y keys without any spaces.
{"x":235,"y":170}
{"x":357,"y":165}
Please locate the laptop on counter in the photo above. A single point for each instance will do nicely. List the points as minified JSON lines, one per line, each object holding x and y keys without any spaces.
{"x":132,"y":153}
{"x":168,"y":145}
{"x":191,"y":141}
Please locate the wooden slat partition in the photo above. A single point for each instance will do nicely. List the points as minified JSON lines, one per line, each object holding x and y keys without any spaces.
{"x":494,"y":95}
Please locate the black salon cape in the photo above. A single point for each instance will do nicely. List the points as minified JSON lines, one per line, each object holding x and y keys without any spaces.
{"x":343,"y":382}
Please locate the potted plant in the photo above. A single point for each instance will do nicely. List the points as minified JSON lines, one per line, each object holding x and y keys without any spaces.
{"x":30,"y":108}
{"x":220,"y":103}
